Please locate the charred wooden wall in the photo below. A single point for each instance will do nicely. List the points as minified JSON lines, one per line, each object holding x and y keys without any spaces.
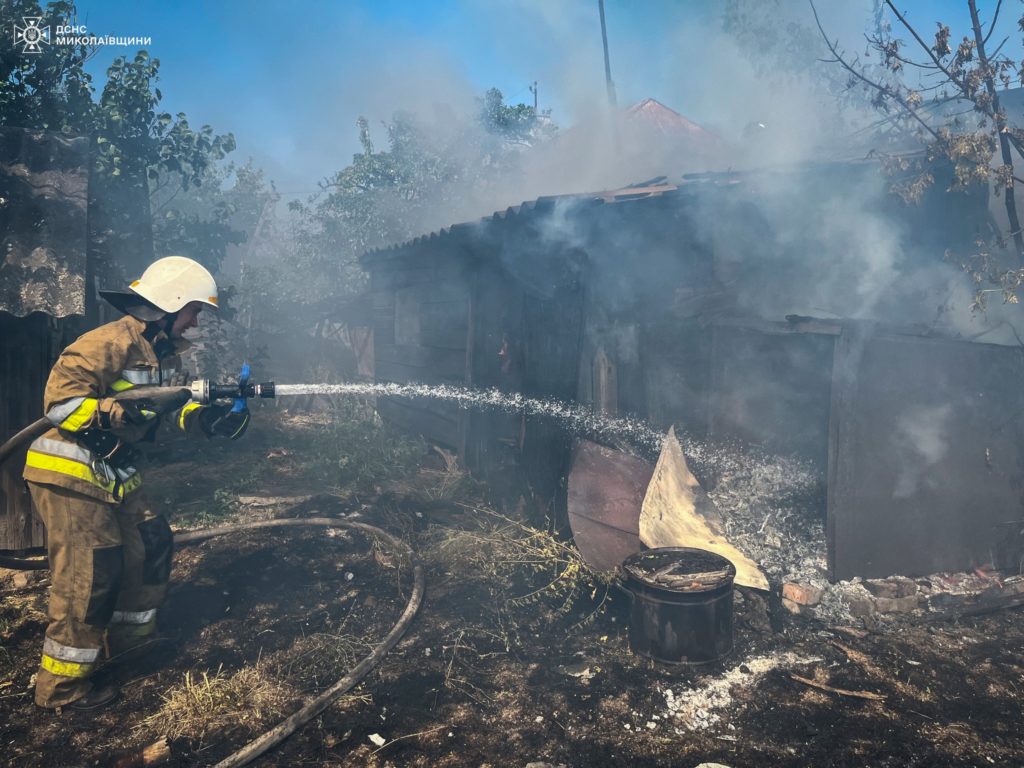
{"x":28,"y":349}
{"x":452,"y":310}
{"x":631,"y":308}
{"x":649,"y":272}
{"x":494,"y":439}
{"x":421,"y":320}
{"x":771,"y":386}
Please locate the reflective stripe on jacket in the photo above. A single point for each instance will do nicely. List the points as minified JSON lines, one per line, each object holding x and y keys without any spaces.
{"x":100,"y":363}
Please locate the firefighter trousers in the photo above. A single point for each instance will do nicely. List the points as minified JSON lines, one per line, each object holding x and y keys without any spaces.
{"x":109,"y":567}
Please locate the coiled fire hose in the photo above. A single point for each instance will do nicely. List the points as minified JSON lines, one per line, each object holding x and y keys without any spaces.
{"x":288,"y":726}
{"x":354,"y":676}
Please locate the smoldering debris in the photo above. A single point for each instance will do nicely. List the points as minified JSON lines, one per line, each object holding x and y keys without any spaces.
{"x":770,"y":507}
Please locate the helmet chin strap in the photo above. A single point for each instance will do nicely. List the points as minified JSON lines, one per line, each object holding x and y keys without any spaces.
{"x":163,"y":347}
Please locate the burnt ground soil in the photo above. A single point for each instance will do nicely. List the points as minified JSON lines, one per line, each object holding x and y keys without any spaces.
{"x":481,"y":681}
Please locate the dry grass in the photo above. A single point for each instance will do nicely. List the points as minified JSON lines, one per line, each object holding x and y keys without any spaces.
{"x":317,"y":660}
{"x":205,"y":704}
{"x":523,"y":566}
{"x":451,"y":483}
{"x":256,"y":697}
{"x":435,"y":487}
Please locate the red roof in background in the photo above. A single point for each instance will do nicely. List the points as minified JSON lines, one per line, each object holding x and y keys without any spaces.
{"x":652,"y":113}
{"x":651,"y":121}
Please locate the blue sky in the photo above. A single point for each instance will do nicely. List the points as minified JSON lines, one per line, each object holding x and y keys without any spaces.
{"x":290,"y":83}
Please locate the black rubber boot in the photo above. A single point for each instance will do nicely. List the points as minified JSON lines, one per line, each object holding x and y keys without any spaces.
{"x":97,"y":698}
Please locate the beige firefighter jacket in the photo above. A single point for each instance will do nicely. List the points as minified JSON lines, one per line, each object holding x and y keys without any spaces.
{"x":99,"y":364}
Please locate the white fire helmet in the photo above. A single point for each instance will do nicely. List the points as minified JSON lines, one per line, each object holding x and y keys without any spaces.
{"x":173,"y":281}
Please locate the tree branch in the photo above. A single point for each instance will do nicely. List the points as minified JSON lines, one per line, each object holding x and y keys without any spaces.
{"x":1016,"y":143}
{"x":999,"y":118}
{"x":883,"y":89}
{"x":877,"y":43}
{"x":928,"y":49}
{"x":958,"y":82}
{"x":998,"y":48}
{"x":991,"y":29}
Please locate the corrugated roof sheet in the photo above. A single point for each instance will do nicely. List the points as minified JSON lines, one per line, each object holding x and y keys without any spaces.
{"x":44,"y":180}
{"x":646,"y":189}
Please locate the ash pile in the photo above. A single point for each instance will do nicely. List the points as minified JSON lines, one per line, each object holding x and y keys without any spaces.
{"x":765,"y":513}
{"x":771,"y":510}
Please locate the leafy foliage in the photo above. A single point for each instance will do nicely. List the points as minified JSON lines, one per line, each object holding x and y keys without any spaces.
{"x":952,"y":107}
{"x":518,"y":123}
{"x":137,"y":149}
{"x":425,"y":177}
{"x":48,"y":90}
{"x":383,"y":196}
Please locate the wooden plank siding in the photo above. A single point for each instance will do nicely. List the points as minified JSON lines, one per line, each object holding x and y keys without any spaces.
{"x":421,"y":326}
{"x":927,"y":447}
{"x":28,"y":348}
{"x":494,"y":439}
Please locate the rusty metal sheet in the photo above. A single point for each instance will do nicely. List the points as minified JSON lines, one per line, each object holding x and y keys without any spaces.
{"x":606,"y":494}
{"x":44,"y":180}
{"x":926,"y":460}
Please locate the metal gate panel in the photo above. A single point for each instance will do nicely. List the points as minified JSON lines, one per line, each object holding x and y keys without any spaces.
{"x":926,"y":459}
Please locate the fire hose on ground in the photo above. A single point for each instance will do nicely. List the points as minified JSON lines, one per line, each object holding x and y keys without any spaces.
{"x":204,"y":392}
{"x":311,"y":709}
{"x":354,"y":676}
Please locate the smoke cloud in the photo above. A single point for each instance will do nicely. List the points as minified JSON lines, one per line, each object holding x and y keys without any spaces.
{"x":921,"y":438}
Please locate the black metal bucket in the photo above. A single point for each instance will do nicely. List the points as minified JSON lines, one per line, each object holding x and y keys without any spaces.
{"x":676,"y":619}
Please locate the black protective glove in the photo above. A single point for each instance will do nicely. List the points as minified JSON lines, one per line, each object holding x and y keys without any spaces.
{"x":224,"y":421}
{"x":105,"y":445}
{"x":180,"y":379}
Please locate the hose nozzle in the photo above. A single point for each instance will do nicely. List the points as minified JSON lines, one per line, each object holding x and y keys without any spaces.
{"x":205,"y":392}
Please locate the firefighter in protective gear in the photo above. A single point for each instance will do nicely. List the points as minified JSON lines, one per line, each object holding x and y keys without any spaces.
{"x":109,"y":550}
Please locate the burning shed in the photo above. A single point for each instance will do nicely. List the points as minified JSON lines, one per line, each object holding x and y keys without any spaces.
{"x":794,"y":311}
{"x":44,"y":275}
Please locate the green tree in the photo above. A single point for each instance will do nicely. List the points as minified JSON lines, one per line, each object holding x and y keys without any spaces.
{"x":139,"y":152}
{"x":517,"y":123}
{"x":424,"y":177}
{"x":50,"y":89}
